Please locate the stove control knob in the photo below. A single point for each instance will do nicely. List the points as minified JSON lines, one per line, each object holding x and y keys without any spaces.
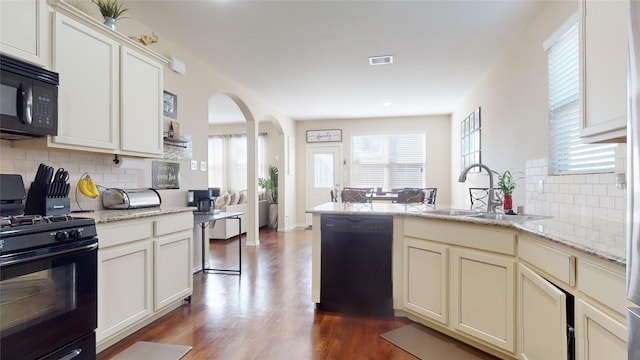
{"x":74,"y":234}
{"x":62,"y":235}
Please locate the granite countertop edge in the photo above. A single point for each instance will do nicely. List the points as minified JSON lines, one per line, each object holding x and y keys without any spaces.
{"x":545,"y":228}
{"x":108,"y":216}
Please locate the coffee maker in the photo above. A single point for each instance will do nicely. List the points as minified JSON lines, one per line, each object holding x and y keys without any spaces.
{"x":204,"y":200}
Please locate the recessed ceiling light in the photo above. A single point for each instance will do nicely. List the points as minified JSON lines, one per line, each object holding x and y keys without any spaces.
{"x":386,"y":103}
{"x":381,"y":60}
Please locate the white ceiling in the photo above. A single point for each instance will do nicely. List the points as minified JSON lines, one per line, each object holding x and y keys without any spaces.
{"x":310,"y":58}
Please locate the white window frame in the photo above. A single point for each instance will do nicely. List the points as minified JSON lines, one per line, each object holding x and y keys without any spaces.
{"x":567,"y":153}
{"x":389,"y":164}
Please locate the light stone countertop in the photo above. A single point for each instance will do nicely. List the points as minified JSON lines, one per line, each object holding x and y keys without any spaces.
{"x":602,"y":238}
{"x":107,"y":216}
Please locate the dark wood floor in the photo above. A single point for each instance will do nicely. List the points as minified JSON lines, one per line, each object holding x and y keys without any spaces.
{"x":267,"y":313}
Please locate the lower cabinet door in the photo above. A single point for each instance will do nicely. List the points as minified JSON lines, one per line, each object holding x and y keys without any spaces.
{"x":173,"y":276}
{"x":542,"y":318}
{"x":483,"y":297}
{"x":425,"y":279}
{"x":598,"y":335}
{"x":124,"y":287}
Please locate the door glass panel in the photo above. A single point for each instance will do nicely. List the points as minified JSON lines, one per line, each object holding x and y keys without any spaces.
{"x":323,"y":165}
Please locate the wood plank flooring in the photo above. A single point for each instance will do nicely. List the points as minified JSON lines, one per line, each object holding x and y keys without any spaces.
{"x":267,"y":313}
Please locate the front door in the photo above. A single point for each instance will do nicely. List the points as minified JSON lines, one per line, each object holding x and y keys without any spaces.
{"x":323,"y":174}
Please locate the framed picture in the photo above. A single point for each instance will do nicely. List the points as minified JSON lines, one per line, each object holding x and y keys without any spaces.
{"x":330,"y":135}
{"x":170,"y":105}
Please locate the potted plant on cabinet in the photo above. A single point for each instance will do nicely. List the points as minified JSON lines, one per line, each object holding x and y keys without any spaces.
{"x":270,"y":187}
{"x":111,"y":10}
{"x":506,"y":186}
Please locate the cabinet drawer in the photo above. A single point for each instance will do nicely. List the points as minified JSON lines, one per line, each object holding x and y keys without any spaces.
{"x":123,"y":232}
{"x":552,"y":261}
{"x":603,"y":285}
{"x":457,"y":233}
{"x":173,"y":223}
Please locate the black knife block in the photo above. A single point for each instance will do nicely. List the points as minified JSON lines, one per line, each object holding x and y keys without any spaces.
{"x":39,"y":204}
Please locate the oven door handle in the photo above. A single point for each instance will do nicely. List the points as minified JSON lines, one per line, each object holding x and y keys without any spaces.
{"x":18,"y":259}
{"x":72,"y":354}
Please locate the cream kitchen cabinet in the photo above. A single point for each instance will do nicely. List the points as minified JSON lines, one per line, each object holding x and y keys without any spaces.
{"x":110,"y":90}
{"x":461,"y":278}
{"x":88,"y":96}
{"x":595,"y":288}
{"x":542,"y":305}
{"x":483,"y":296}
{"x":542,"y":319}
{"x":173,"y":279}
{"x":426,"y":267}
{"x":25,"y":30}
{"x":141,"y":103}
{"x":603,"y":77}
{"x":144,"y":271}
{"x":125,"y":265}
{"x":600,"y":311}
{"x":598,"y":335}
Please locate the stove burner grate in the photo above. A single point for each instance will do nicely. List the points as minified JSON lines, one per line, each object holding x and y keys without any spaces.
{"x":22,"y":220}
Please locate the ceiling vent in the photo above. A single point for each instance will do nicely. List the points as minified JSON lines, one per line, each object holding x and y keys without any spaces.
{"x":381,"y":60}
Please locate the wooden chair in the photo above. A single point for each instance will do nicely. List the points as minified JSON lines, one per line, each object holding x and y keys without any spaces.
{"x":480,"y":196}
{"x":357,"y":195}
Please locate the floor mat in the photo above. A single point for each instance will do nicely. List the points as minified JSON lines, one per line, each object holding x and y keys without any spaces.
{"x":143,"y":350}
{"x":428,"y":344}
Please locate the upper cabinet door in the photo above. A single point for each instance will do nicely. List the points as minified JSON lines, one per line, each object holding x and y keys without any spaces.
{"x":141,"y":94}
{"x":88,"y":97}
{"x":604,"y":53}
{"x":24,"y":26}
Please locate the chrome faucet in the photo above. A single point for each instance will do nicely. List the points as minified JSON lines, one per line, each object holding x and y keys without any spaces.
{"x":492,"y":202}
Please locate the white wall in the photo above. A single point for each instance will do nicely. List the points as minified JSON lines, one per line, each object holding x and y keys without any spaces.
{"x":194,"y":89}
{"x":438,"y":133}
{"x":513,"y":98}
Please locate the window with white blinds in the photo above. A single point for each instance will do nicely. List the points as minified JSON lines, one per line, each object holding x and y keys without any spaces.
{"x":567,"y":154}
{"x":228,"y":160}
{"x":388,"y":161}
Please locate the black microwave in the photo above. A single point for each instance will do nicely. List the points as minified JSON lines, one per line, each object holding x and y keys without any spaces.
{"x":28,"y":100}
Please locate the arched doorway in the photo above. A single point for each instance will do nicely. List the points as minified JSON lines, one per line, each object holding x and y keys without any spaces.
{"x":229,"y":116}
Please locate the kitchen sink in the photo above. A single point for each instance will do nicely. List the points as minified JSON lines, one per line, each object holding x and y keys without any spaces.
{"x":504,"y":217}
{"x":452,"y":212}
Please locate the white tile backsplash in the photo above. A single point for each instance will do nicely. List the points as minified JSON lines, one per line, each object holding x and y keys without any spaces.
{"x":589,"y":195}
{"x":16,"y":160}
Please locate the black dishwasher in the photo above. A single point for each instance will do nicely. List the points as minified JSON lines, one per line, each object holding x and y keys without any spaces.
{"x":355,"y":258}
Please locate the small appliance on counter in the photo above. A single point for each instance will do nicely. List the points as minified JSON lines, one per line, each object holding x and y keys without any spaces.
{"x":121,"y":199}
{"x":204,"y":200}
{"x":12,"y":195}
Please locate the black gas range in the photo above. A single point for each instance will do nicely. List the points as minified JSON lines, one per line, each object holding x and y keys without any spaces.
{"x":32,"y":232}
{"x":48,"y":286}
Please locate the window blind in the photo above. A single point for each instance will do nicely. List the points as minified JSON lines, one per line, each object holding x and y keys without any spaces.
{"x":567,"y":154}
{"x":228,"y":160}
{"x":388,"y":160}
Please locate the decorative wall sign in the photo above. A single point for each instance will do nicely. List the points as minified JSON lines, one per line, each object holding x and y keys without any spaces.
{"x":165,"y":175}
{"x":331,"y":135}
{"x":170,"y":105}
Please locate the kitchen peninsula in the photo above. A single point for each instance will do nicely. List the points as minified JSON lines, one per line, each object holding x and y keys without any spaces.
{"x":488,"y":282}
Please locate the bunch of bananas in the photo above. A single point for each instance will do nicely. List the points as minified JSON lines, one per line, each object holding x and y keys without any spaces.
{"x":87,"y":187}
